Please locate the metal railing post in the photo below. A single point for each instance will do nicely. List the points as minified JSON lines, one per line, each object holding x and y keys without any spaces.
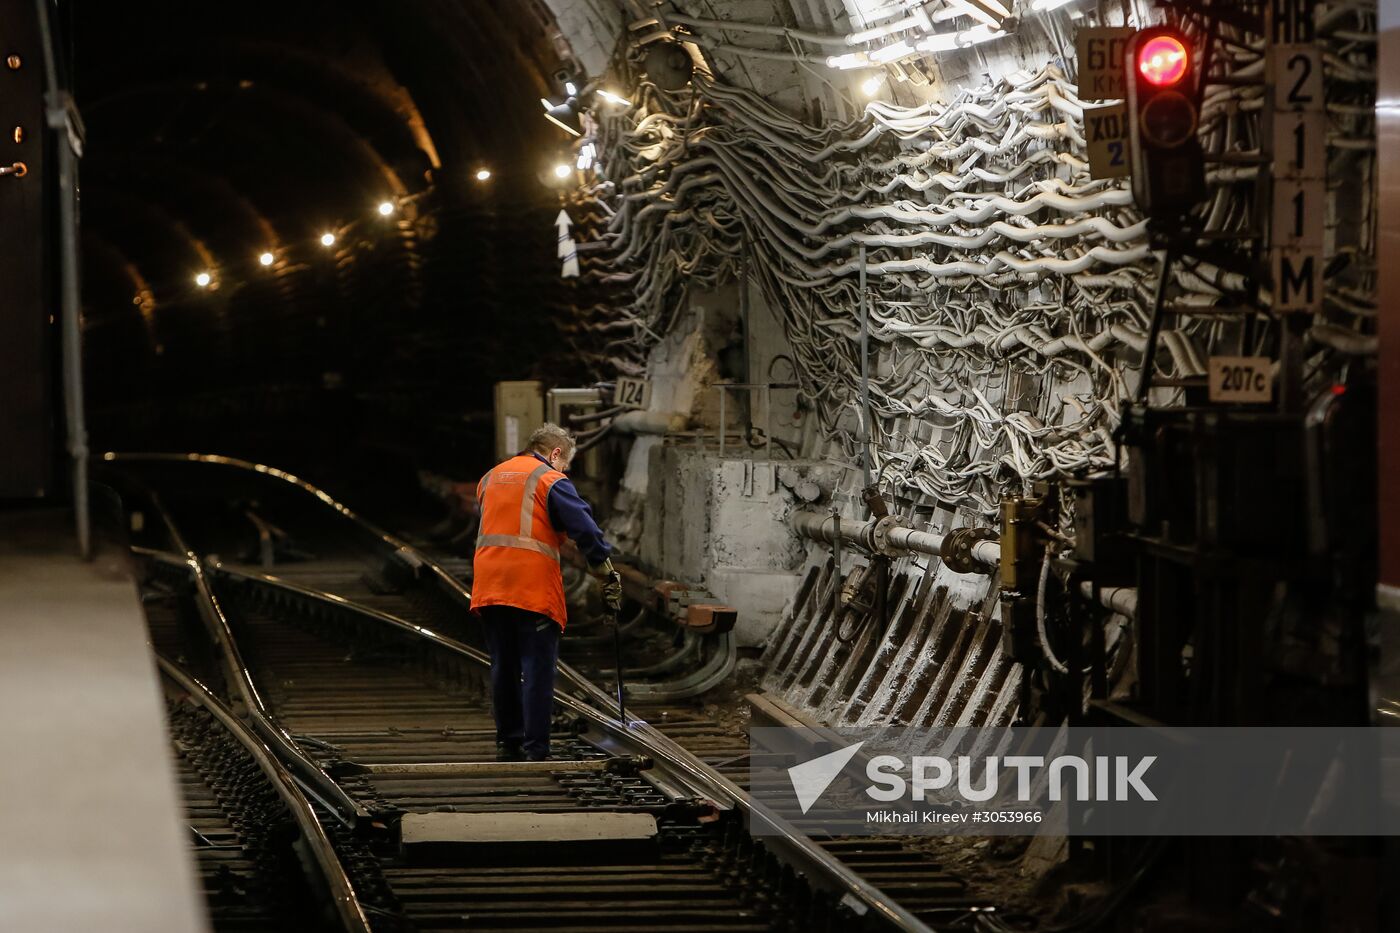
{"x":62,"y":118}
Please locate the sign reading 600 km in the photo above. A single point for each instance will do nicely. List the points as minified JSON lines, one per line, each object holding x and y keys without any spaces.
{"x":1100,"y":51}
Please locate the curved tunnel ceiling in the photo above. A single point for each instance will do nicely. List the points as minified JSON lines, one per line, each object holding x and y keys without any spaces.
{"x":219,"y":132}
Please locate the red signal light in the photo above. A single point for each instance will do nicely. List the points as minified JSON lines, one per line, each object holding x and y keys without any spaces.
{"x":1163,"y":60}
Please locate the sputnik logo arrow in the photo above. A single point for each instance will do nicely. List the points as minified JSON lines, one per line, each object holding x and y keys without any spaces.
{"x":811,"y":778}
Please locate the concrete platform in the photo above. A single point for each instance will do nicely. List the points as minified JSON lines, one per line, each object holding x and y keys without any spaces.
{"x":92,"y":833}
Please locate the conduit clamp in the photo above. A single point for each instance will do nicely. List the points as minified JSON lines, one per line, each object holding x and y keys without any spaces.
{"x":956,"y":551}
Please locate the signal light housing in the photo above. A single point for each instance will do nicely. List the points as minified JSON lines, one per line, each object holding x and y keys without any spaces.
{"x":1167,"y":160}
{"x":1163,"y":60}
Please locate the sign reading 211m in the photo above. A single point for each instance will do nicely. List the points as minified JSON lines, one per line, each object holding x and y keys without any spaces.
{"x":1296,"y":131}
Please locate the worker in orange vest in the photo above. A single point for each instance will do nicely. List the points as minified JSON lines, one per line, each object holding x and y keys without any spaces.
{"x":527,"y":506}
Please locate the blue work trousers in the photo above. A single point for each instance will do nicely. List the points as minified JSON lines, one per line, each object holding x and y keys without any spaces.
{"x":524,"y":647}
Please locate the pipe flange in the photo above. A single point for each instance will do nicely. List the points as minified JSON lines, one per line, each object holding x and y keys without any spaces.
{"x":880,"y":536}
{"x":956,"y":551}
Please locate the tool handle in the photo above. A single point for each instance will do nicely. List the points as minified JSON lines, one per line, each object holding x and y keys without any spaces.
{"x":617,"y":648}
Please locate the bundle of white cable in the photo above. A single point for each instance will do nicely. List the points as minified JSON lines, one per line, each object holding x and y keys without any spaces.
{"x":1009,"y":293}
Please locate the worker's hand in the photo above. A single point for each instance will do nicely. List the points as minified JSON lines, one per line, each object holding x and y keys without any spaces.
{"x":611,"y":583}
{"x":612,"y":594}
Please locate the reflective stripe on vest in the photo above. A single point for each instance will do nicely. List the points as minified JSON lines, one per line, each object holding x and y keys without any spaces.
{"x":525,"y":540}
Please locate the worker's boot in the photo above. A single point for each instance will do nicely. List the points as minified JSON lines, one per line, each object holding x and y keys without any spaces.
{"x":509,"y":751}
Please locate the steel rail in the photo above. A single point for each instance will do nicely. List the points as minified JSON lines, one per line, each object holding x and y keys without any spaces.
{"x":248,"y":702}
{"x":335,"y":884}
{"x":822,"y":869}
{"x":390,"y":546}
{"x":639,"y":737}
{"x":636,"y":738}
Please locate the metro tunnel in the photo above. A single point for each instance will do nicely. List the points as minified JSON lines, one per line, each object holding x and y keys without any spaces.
{"x":724,"y":465}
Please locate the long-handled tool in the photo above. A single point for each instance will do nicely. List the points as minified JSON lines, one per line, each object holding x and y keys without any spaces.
{"x":617,"y":648}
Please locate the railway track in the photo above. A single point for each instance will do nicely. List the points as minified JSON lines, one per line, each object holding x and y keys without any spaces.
{"x":263,"y":858}
{"x":349,"y":651}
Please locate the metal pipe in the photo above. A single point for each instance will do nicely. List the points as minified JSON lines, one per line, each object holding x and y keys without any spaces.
{"x":1121,"y":599}
{"x":723,"y":418}
{"x":830,"y":529}
{"x":864,"y":371}
{"x":649,"y":422}
{"x":62,"y":118}
{"x":918,"y":20}
{"x":835,"y":562}
{"x":924,"y":542}
{"x":768,"y":422}
{"x":591,"y":416}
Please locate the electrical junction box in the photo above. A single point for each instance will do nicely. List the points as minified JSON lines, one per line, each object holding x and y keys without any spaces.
{"x":519,"y":410}
{"x":564,"y":403}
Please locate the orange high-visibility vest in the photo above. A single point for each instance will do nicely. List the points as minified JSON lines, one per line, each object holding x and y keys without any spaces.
{"x":517,"y":549}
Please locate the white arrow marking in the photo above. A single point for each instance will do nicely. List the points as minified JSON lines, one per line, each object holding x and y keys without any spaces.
{"x":566,"y":240}
{"x":811,"y":778}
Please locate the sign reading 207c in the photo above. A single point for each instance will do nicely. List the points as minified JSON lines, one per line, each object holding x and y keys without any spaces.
{"x":1241,"y":379}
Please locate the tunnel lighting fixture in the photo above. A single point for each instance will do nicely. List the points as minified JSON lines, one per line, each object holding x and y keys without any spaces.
{"x":940,"y":42}
{"x":562,"y":170}
{"x":936,"y":42}
{"x":870,"y":86}
{"x":947,"y":41}
{"x":483,"y":174}
{"x":267,"y":259}
{"x":978,"y":34}
{"x":203,"y":279}
{"x":564,"y":116}
{"x":612,"y":98}
{"x":990,"y":12}
{"x":328,"y":239}
{"x":848,"y":61}
{"x":386,"y":208}
{"x":571,"y":88}
{"x":586,"y":155}
{"x":891,"y":52}
{"x":1043,"y":6}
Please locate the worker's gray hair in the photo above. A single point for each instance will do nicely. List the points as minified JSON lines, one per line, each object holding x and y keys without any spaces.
{"x":548,"y":436}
